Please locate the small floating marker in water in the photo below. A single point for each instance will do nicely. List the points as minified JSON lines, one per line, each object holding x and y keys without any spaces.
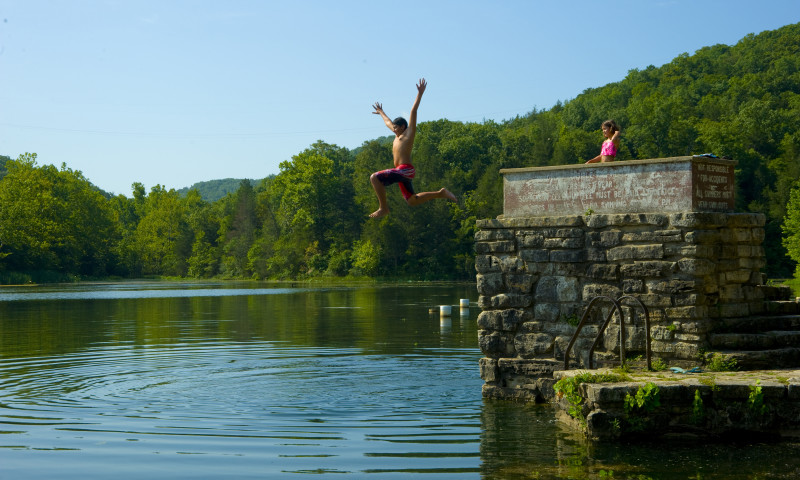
{"x":465,"y":303}
{"x":444,"y":310}
{"x":432,"y":310}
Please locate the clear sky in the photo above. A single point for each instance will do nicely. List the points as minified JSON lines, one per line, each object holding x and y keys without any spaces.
{"x":173,"y":92}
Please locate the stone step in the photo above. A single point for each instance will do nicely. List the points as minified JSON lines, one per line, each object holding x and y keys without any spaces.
{"x":782,"y":307}
{"x":755,"y":341}
{"x":788,"y":357}
{"x":776,"y":292}
{"x":757,"y":324}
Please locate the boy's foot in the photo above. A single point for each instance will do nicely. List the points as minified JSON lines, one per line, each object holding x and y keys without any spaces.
{"x":379,"y":213}
{"x":447,"y":193}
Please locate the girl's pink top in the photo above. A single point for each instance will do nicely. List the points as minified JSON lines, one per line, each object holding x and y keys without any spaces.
{"x":609,"y":148}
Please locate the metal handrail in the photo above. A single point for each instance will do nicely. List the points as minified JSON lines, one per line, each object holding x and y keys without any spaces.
{"x":648,"y":350}
{"x":616,"y":307}
{"x":583,"y":322}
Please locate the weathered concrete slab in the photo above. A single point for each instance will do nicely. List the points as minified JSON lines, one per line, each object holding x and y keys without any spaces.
{"x":664,"y":185}
{"x":711,"y":404}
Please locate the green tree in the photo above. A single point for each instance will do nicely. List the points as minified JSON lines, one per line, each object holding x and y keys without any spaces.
{"x":53,"y":220}
{"x":791,"y":227}
{"x":163,"y":237}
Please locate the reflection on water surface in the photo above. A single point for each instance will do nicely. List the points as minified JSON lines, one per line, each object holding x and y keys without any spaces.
{"x":165,"y":380}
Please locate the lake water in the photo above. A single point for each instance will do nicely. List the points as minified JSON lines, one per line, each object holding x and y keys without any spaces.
{"x":246,"y":380}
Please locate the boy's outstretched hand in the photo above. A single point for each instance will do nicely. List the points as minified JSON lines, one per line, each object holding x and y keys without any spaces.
{"x":421,"y":86}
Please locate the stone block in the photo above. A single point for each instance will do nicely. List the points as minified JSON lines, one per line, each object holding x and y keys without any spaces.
{"x":503,"y":320}
{"x":540,"y":268}
{"x":673,"y":286}
{"x":647,"y":269}
{"x":657,"y":236}
{"x":534,"y":255}
{"x":635,"y":252}
{"x":508,"y":300}
{"x":609,"y":393}
{"x":531,"y":327}
{"x":496,"y":344}
{"x":699,"y":327}
{"x":689,"y":337}
{"x":568,"y":256}
{"x":629,"y":219}
{"x":662,"y":333}
{"x":635,"y":337}
{"x":531,"y":240}
{"x":564,"y":243}
{"x":702,"y":237}
{"x":487,"y":264}
{"x":521,"y":283}
{"x":696,"y":266}
{"x":662,"y":347}
{"x":731,"y":293}
{"x":557,"y":289}
{"x":730,"y":310}
{"x":534,"y":344}
{"x":686,"y":313}
{"x":493,"y":235}
{"x":630,"y":286}
{"x":511,"y":264}
{"x":487,"y":223}
{"x":738,"y":276}
{"x":537,"y":222}
{"x":489,"y":370}
{"x":752,"y":263}
{"x":546,"y":312}
{"x":692,"y":251}
{"x":697,"y":220}
{"x":568,"y":269}
{"x":603,"y":271}
{"x":746,"y":220}
{"x":599,"y":289}
{"x":651,"y":300}
{"x":563,"y":232}
{"x":595,"y":255}
{"x":504,"y":246}
{"x":490,"y":284}
{"x":607,"y":239}
{"x":687,"y":299}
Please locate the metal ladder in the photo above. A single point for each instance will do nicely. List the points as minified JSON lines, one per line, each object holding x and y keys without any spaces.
{"x":616,"y":308}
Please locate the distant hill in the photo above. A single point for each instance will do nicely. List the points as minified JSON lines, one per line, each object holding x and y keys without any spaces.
{"x":213,"y":190}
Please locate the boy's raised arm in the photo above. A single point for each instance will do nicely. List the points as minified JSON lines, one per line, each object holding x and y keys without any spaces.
{"x":412,"y":119}
{"x":379,"y":111}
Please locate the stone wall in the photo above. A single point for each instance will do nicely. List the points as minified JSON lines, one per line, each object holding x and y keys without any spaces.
{"x":535,"y":275}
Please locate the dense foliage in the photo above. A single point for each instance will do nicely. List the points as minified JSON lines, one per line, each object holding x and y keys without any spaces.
{"x":213,"y":190}
{"x":741,"y":101}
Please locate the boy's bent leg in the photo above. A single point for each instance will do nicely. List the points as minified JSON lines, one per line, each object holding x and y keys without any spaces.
{"x":423,"y":197}
{"x":380,"y":192}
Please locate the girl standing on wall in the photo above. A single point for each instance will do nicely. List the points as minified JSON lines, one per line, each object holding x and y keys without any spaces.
{"x":610,"y":146}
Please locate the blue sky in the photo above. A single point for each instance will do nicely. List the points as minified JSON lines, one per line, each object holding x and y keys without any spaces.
{"x":174,"y":92}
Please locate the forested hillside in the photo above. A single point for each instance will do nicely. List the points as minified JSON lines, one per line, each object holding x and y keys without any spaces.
{"x":213,"y":190}
{"x":741,"y":101}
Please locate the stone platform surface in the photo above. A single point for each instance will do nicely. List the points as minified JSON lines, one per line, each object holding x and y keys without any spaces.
{"x":662,"y":185}
{"x":717,"y":405}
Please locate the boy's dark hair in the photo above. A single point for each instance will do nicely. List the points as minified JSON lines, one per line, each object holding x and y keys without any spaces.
{"x":400,"y":122}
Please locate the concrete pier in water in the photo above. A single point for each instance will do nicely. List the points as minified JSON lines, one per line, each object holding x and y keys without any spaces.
{"x":663,"y":231}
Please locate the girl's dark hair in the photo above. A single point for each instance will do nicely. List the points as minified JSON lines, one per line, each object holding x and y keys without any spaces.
{"x":401,"y":122}
{"x":612,"y":124}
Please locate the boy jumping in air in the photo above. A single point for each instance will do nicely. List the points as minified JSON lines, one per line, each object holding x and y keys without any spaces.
{"x":403,"y":170}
